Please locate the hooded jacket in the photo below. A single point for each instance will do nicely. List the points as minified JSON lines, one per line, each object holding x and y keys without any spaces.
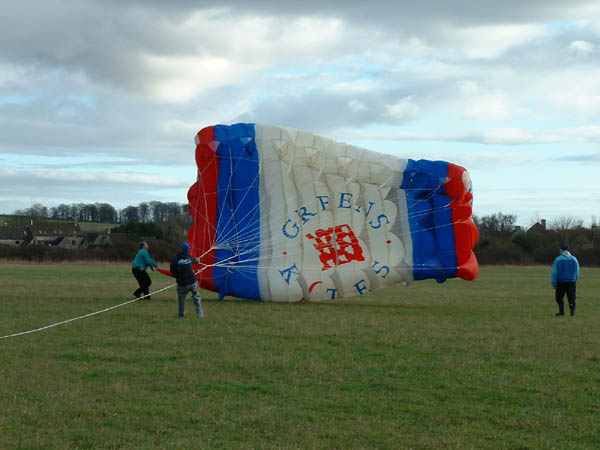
{"x":182,"y":268}
{"x":565,"y":268}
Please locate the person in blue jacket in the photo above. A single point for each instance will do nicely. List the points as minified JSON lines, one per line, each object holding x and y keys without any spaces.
{"x":565,"y":273}
{"x":183,"y":271}
{"x":140,"y":263}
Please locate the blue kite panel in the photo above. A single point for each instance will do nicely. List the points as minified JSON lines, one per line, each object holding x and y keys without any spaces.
{"x":238,"y":228}
{"x":430,"y":219}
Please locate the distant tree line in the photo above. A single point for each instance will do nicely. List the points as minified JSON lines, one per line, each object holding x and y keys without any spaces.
{"x":501,"y":241}
{"x":145,"y":212}
{"x":165,"y":239}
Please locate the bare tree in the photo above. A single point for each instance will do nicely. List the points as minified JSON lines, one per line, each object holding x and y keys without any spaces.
{"x":564,"y":223}
{"x":497,"y":223}
{"x":37,"y":210}
{"x":536,"y":218}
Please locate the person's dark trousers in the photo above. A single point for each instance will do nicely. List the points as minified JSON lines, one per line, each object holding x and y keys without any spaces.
{"x":143,"y":280}
{"x":569,"y":289}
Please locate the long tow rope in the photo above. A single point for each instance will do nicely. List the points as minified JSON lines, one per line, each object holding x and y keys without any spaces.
{"x":86,"y":315}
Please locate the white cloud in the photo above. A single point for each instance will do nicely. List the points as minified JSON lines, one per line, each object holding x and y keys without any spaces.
{"x":356,"y":86}
{"x":582,"y":134}
{"x":488,"y":106}
{"x":227,"y":49}
{"x":179,"y":79}
{"x":508,"y":136}
{"x":493,"y":136}
{"x":356,"y":106}
{"x":517,"y":136}
{"x":21,"y":188}
{"x":582,"y":47}
{"x":404,"y":109}
{"x":468,"y":87}
{"x":492,"y":41}
{"x":575,"y":91}
{"x":65,"y":177}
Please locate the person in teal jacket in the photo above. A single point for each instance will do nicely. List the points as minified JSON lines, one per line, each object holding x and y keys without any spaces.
{"x":565,"y":273}
{"x":141,"y":262}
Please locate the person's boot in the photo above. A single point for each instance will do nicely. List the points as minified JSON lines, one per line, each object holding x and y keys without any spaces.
{"x":572,"y":308}
{"x":561,"y":309}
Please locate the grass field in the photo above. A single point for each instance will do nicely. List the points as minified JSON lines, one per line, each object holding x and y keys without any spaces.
{"x":454,"y":365}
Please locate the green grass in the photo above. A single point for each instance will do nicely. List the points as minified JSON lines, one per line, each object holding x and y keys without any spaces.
{"x":454,"y":365}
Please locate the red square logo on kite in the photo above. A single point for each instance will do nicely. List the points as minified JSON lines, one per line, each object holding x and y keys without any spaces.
{"x":336,"y":246}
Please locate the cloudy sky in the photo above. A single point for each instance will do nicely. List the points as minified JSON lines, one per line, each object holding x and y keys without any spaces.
{"x":100,"y":100}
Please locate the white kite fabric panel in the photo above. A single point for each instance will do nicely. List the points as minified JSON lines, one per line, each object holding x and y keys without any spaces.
{"x":328,"y":217}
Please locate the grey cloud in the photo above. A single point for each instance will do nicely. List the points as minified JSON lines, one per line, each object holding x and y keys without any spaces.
{"x":106,"y":40}
{"x":103,"y":44}
{"x":52,"y":124}
{"x":87,"y":165}
{"x":314,"y":110}
{"x":51,"y":189}
{"x":582,"y":158}
{"x":391,"y":11}
{"x":329,"y":108}
{"x":551,"y":52}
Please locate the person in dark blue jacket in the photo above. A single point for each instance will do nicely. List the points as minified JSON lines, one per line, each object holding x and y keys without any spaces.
{"x":183,"y":271}
{"x":565,"y":273}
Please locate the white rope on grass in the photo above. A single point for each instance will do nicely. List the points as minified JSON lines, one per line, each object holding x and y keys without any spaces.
{"x":86,"y":315}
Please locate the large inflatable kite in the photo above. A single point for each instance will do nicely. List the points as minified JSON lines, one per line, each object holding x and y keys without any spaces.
{"x":286,"y":215}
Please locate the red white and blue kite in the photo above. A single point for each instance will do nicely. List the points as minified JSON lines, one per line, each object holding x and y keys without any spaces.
{"x":285,"y":215}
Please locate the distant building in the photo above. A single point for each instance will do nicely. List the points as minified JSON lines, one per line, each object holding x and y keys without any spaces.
{"x":13,"y":241}
{"x":13,"y":236}
{"x":22,"y":231}
{"x":538,"y":227}
{"x":96,"y":239}
{"x":68,"y":242}
{"x":48,"y":232}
